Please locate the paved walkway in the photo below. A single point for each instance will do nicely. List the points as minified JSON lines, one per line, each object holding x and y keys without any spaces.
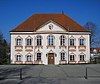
{"x":51,"y":74}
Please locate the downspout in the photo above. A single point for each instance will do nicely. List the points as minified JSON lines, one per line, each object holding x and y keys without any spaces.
{"x":68,"y":44}
{"x":34,"y":41}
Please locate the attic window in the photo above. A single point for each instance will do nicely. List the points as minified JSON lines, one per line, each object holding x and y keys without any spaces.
{"x":50,"y":26}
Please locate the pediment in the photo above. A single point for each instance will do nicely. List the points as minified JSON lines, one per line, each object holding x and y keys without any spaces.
{"x":51,"y":26}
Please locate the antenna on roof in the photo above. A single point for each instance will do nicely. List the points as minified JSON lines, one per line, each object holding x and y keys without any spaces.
{"x":62,"y":12}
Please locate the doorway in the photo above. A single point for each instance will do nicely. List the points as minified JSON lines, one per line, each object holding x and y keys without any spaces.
{"x":50,"y":58}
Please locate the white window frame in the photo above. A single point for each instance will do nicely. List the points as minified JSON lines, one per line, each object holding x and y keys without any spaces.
{"x":62,"y":55}
{"x":50,"y":40}
{"x":82,"y":57}
{"x":72,"y":57}
{"x":39,"y":40}
{"x":39,"y":56}
{"x":29,"y":58}
{"x":28,"y":42}
{"x":62,"y":40}
{"x":72,"y":43}
{"x":18,"y":42}
{"x":82,"y":42}
{"x":18,"y":57}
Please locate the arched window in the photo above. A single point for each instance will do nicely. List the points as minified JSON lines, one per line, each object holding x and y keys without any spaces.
{"x":18,"y":41}
{"x":62,"y":56}
{"x":28,"y":41}
{"x":39,"y":56}
{"x":50,"y":40}
{"x":81,"y":57}
{"x":72,"y":57}
{"x":62,"y":40}
{"x":39,"y":40}
{"x":29,"y":58}
{"x":72,"y":41}
{"x":18,"y":57}
{"x":81,"y":41}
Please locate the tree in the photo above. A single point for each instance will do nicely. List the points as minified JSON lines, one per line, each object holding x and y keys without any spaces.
{"x":3,"y":50}
{"x":93,"y":29}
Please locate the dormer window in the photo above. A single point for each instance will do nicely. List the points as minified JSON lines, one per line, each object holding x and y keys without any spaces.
{"x":50,"y":26}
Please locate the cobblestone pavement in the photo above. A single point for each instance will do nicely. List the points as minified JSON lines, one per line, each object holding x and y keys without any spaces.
{"x":50,"y":74}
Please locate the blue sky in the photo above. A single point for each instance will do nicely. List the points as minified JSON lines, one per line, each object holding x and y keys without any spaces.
{"x":14,"y":12}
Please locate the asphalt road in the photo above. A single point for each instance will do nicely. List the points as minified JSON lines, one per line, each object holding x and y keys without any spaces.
{"x":50,"y":74}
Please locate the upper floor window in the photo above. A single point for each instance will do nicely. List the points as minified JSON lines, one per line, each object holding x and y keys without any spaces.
{"x":62,"y":40}
{"x":18,"y":58}
{"x":50,"y":40}
{"x":29,"y":42}
{"x":38,"y":56}
{"x":71,"y":42}
{"x":62,"y":56}
{"x":39,"y":40}
{"x":29,"y":58}
{"x":72,"y":57}
{"x":18,"y":42}
{"x":81,"y":57}
{"x":81,"y":42}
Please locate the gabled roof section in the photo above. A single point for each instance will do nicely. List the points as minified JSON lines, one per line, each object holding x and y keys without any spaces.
{"x":36,"y":20}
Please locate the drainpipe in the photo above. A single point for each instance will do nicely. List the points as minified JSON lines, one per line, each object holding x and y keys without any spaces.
{"x":68,"y":44}
{"x":68,"y":47}
{"x":34,"y":48}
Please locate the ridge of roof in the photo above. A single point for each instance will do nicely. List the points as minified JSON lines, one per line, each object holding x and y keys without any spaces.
{"x":36,"y":20}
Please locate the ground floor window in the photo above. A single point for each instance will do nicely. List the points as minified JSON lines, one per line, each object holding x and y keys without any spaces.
{"x":72,"y":58}
{"x":29,"y":58}
{"x":38,"y":56}
{"x":62,"y":56}
{"x":81,"y":57}
{"x":18,"y":58}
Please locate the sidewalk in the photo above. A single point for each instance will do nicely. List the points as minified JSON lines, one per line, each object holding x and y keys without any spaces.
{"x":56,"y":74}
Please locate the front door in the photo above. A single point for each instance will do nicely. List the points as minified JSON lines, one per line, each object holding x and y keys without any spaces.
{"x":51,"y":58}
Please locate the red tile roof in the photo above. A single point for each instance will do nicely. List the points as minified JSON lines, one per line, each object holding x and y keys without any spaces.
{"x":36,"y":20}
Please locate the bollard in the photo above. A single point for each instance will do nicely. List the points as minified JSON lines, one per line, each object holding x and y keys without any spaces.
{"x":86,"y":74}
{"x":20,"y":74}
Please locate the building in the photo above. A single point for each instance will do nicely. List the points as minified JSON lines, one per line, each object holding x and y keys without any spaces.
{"x":50,"y":39}
{"x":95,"y":54}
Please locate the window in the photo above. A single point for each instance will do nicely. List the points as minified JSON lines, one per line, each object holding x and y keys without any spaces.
{"x":28,"y":42}
{"x":50,"y":40}
{"x":62,"y":40}
{"x":62,"y":56}
{"x":72,"y":58}
{"x":18,"y":58}
{"x":38,"y":56}
{"x":81,"y":42}
{"x":50,"y":26}
{"x":71,"y":42}
{"x":81,"y":57}
{"x":18,"y":42}
{"x":29,"y":58}
{"x":39,"y":40}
